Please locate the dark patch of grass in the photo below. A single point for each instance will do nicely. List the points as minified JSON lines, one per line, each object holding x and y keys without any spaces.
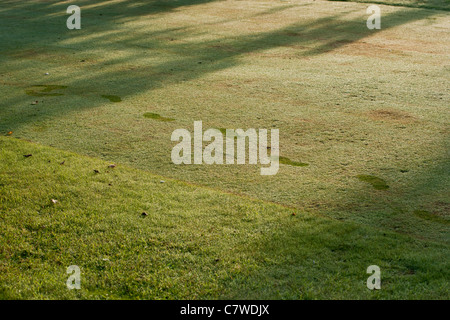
{"x":423,"y":214}
{"x":157,"y":117}
{"x":289,"y":162}
{"x":376,"y":182}
{"x":112,"y":98}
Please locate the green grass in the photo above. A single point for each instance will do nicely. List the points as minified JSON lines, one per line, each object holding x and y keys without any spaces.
{"x":195,"y":243}
{"x":347,"y":101}
{"x":429,"y":216}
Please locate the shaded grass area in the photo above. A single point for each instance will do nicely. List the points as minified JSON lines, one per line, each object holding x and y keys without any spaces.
{"x":219,"y":53}
{"x":194,"y":243}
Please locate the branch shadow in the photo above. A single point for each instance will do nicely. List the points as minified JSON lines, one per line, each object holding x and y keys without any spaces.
{"x":193,"y":59}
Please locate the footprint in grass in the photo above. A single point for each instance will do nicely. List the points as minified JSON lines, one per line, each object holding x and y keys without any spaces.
{"x":157,"y":117}
{"x":376,"y":182}
{"x":42,"y":90}
{"x":223,"y":131}
{"x":111,"y":98}
{"x":284,"y":160}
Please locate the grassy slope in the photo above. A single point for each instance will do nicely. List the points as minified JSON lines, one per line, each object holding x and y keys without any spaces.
{"x":377,"y":106}
{"x":194,"y":243}
{"x":429,"y":4}
{"x":375,"y":101}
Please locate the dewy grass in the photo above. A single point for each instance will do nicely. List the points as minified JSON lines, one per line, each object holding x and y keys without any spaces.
{"x":301,"y":69}
{"x":290,"y":73}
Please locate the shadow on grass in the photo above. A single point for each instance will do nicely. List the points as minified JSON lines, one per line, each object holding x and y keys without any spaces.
{"x":35,"y":28}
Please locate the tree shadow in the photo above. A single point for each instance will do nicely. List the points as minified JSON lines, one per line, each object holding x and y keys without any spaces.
{"x":194,"y":59}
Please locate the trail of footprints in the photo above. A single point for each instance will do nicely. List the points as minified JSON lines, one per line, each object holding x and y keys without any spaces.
{"x":42,"y":90}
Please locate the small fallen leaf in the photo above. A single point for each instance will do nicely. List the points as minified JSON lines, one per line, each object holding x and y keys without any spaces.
{"x":10,"y":133}
{"x":54,"y":201}
{"x":27,"y":155}
{"x":293,"y":213}
{"x":96,"y":171}
{"x":35,"y":102}
{"x":63,"y":162}
{"x":112,"y":166}
{"x":144,"y":214}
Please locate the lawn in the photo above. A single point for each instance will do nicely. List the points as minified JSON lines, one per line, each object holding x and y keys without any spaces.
{"x":194,"y":242}
{"x":364,"y":127}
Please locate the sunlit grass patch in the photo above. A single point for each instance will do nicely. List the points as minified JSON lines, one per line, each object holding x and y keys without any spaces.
{"x":284,"y":160}
{"x":192,"y":243}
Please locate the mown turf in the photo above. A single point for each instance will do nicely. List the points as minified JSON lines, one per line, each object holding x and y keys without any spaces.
{"x":348,"y":101}
{"x":194,"y":243}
